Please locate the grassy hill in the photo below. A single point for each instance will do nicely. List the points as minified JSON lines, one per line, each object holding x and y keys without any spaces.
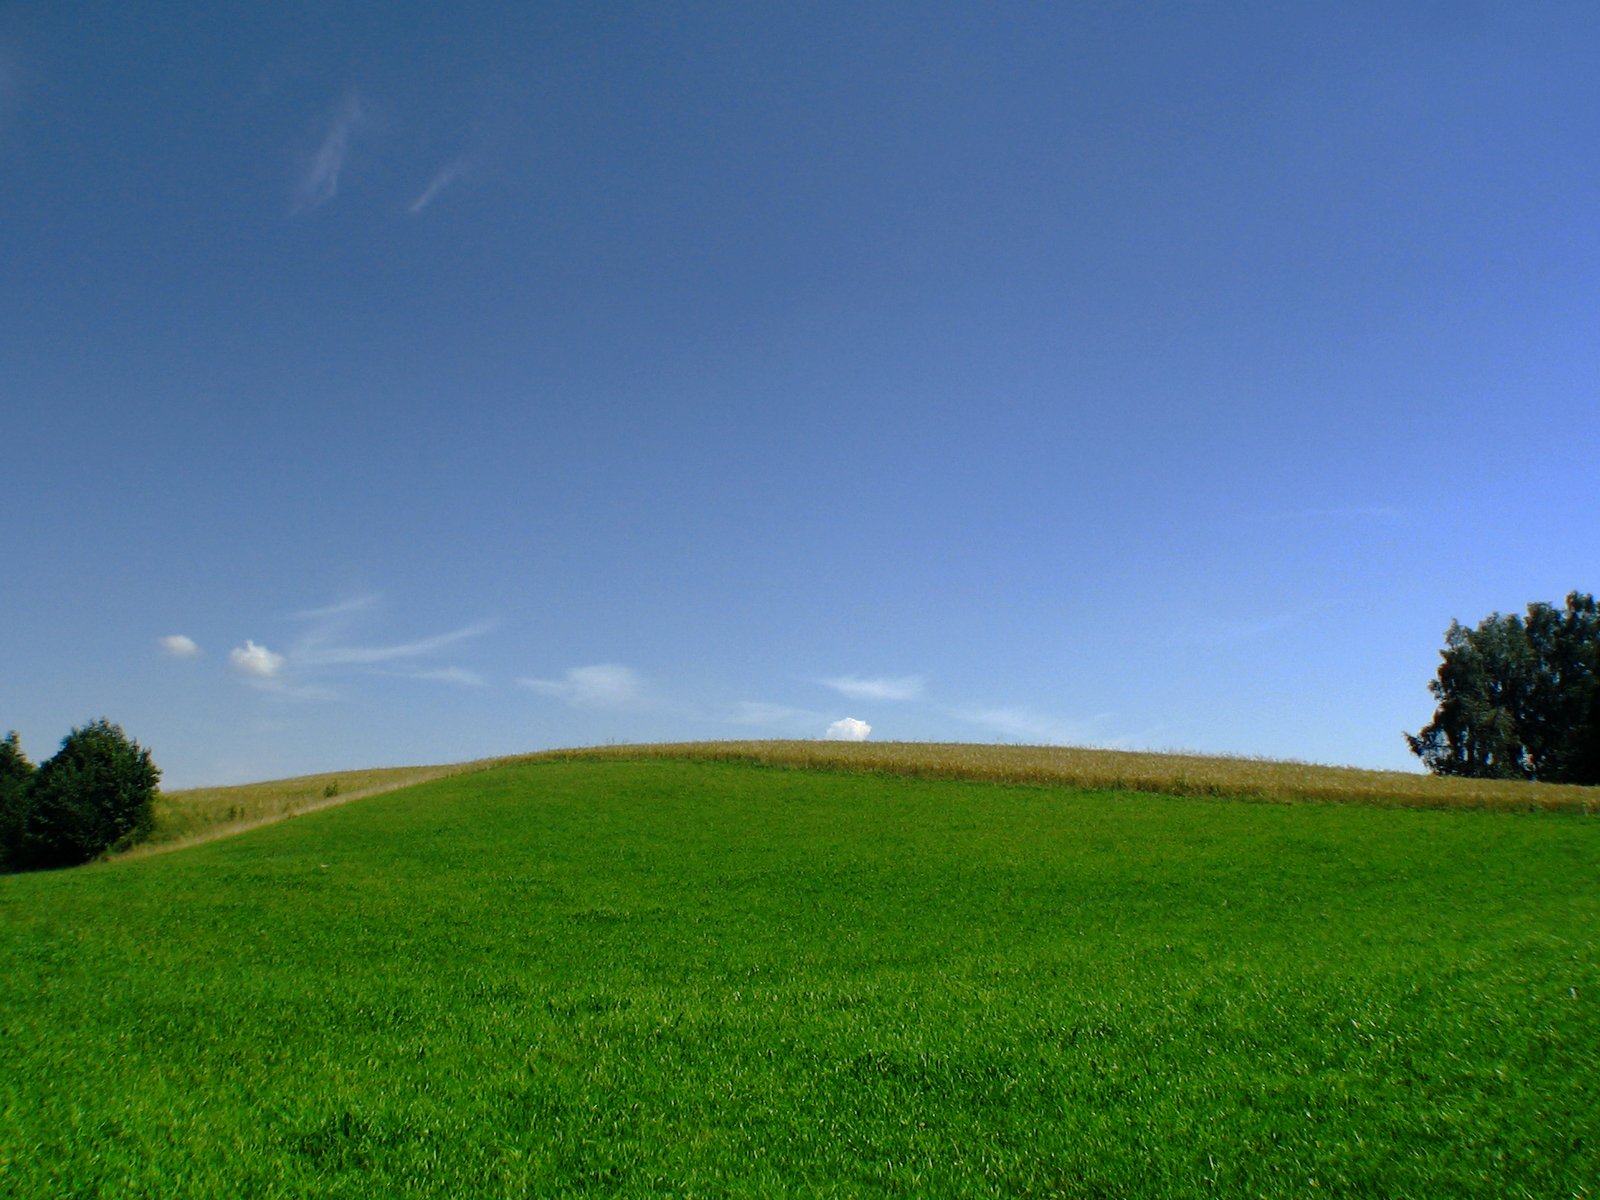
{"x":203,"y":814}
{"x":626,"y":976}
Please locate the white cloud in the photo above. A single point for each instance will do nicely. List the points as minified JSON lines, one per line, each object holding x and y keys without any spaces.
{"x":848,"y":729}
{"x":320,"y":183}
{"x":256,"y":661}
{"x":903,"y":687}
{"x":605,"y":685}
{"x":442,"y":178}
{"x":180,"y":646}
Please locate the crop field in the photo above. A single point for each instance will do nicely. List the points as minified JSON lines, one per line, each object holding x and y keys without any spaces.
{"x":618,"y":975}
{"x":1170,"y":773}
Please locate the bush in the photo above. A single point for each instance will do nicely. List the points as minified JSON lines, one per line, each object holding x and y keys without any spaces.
{"x":16,"y":772}
{"x":96,"y":794}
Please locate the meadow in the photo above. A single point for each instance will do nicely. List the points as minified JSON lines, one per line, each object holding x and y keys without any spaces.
{"x":195,"y":815}
{"x":621,"y":974}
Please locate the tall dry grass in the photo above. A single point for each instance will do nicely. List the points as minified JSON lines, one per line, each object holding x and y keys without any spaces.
{"x":1117,"y":770}
{"x":193,"y":815}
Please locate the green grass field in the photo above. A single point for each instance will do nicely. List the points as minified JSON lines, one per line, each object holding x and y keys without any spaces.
{"x":186,"y":818}
{"x":614,"y":977}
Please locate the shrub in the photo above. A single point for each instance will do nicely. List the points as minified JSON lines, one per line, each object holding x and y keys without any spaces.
{"x":96,"y":794}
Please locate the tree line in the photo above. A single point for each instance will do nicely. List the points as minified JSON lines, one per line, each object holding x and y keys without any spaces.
{"x":1519,"y":697}
{"x":94,"y":795}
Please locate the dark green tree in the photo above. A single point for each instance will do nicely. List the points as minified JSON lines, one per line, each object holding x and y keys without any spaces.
{"x":1519,"y":697}
{"x":95,"y":794}
{"x":16,"y":772}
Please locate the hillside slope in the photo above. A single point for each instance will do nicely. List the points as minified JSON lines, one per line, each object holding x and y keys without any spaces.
{"x":201,"y":814}
{"x":613,"y":977}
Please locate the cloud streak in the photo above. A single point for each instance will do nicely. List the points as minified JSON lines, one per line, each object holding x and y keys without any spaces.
{"x":457,"y":676}
{"x":325,"y":654}
{"x":1023,"y":724}
{"x":1232,"y":630}
{"x":442,"y":178}
{"x":1340,"y":512}
{"x":760,"y":712}
{"x":316,"y":654}
{"x":856,"y":687}
{"x":320,"y":182}
{"x":604,"y":685}
{"x":342,"y":608}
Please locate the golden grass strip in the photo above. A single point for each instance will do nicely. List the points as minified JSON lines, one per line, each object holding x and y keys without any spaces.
{"x":194,"y":815}
{"x":1143,"y":771}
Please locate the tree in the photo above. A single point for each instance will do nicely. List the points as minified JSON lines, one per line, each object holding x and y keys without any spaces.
{"x":97,"y":793}
{"x":16,"y":773}
{"x":1519,"y":698}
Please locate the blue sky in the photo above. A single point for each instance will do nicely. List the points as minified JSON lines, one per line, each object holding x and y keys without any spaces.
{"x":446,"y":381}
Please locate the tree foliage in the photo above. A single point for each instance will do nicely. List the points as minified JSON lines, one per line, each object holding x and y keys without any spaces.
{"x":95,"y":794}
{"x":1519,"y":697}
{"x":16,"y":773}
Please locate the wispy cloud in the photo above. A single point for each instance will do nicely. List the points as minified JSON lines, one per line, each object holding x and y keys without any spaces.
{"x":759,"y":712}
{"x":848,"y":729}
{"x":325,"y":654}
{"x":1024,"y":724}
{"x":320,"y":181}
{"x":1234,"y":629}
{"x":179,"y":646}
{"x":1355,"y":512}
{"x":902,"y":687}
{"x":442,"y":178}
{"x":341,"y":608}
{"x":604,"y":685}
{"x":1380,"y":514}
{"x":458,"y":676}
{"x":1227,"y":631}
{"x":327,"y":642}
{"x":319,"y":654}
